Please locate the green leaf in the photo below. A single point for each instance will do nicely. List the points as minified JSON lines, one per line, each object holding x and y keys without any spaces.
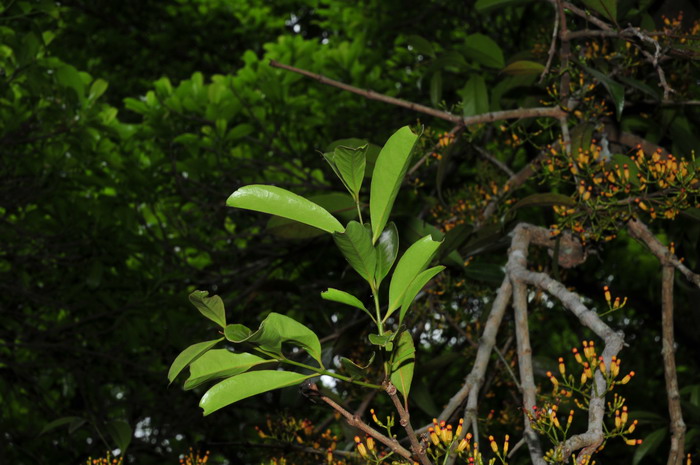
{"x":453,"y":240}
{"x":220,"y":363}
{"x":642,"y":86}
{"x":402,"y":364}
{"x":121,"y":433}
{"x":415,"y":287}
{"x":607,"y":8}
{"x":383,"y":340}
{"x":349,"y":165}
{"x":387,"y":249}
{"x":436,"y":88}
{"x":421,"y":45}
{"x":484,"y":272}
{"x":475,"y":97}
{"x":355,"y":370}
{"x":275,"y":330}
{"x":484,"y":50}
{"x":281,"y":202}
{"x":544,"y":200}
{"x":615,"y":89}
{"x":356,"y":246}
{"x":248,"y":384}
{"x":189,"y":355}
{"x":389,"y":171}
{"x":649,"y":444}
{"x":68,"y":76}
{"x":523,"y":68}
{"x":98,"y":87}
{"x":57,"y":423}
{"x":411,"y":264}
{"x":340,"y":204}
{"x":336,"y":295}
{"x":211,"y":307}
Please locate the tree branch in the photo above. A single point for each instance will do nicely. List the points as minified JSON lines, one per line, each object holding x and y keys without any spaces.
{"x":544,"y":112}
{"x":641,"y":232}
{"x":405,"y":421}
{"x":677,"y":426}
{"x":593,"y":437}
{"x":355,"y":421}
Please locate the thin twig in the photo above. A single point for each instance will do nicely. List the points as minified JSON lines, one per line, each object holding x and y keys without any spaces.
{"x":495,"y":161}
{"x":538,"y":112}
{"x":552,"y":46}
{"x":405,"y":421}
{"x":641,"y":232}
{"x":356,"y":422}
{"x":677,"y":426}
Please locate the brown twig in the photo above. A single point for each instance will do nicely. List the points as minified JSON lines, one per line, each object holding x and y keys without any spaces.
{"x":356,"y":422}
{"x":499,"y":164}
{"x":544,"y":112}
{"x":405,"y":421}
{"x":452,"y":136}
{"x":677,"y":426}
{"x":641,"y":232}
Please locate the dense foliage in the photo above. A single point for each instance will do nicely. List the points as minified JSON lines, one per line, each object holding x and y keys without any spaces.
{"x":125,"y":126}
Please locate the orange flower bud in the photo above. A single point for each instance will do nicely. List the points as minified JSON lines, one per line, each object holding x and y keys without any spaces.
{"x":608,"y":297}
{"x":577,"y":355}
{"x":562,"y":368}
{"x":494,"y":446}
{"x":360,"y":447}
{"x":627,"y":378}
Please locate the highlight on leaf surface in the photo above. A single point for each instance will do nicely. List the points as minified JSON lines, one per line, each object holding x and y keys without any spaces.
{"x":281,"y":202}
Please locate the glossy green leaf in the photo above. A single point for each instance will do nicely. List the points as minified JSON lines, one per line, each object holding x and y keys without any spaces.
{"x":340,"y":204}
{"x":402,"y":364}
{"x":649,"y":444}
{"x":246,"y":385}
{"x":276,"y":329}
{"x":281,"y":202}
{"x":523,"y":68}
{"x":614,"y":88}
{"x":121,"y":433}
{"x":484,"y":50}
{"x":336,"y":295}
{"x":389,"y":171}
{"x":411,"y":264}
{"x":415,"y":287}
{"x":220,"y":363}
{"x":607,"y":8}
{"x":387,"y":249}
{"x":475,"y":97}
{"x":211,"y":307}
{"x":349,"y":165}
{"x":189,"y":355}
{"x":356,"y":246}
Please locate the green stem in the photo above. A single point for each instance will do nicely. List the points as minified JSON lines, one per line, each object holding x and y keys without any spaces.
{"x":380,"y":322}
{"x":359,"y":212}
{"x":322,"y":371}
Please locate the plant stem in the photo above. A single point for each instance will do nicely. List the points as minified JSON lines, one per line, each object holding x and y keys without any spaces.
{"x":322,"y":371}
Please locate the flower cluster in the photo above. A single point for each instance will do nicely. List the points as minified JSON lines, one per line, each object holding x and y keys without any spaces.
{"x":609,"y":190}
{"x":194,"y":458}
{"x":302,"y":438}
{"x":575,"y":388}
{"x":106,"y":460}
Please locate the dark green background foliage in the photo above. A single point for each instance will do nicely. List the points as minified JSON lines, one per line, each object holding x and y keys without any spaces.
{"x":124,"y":125}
